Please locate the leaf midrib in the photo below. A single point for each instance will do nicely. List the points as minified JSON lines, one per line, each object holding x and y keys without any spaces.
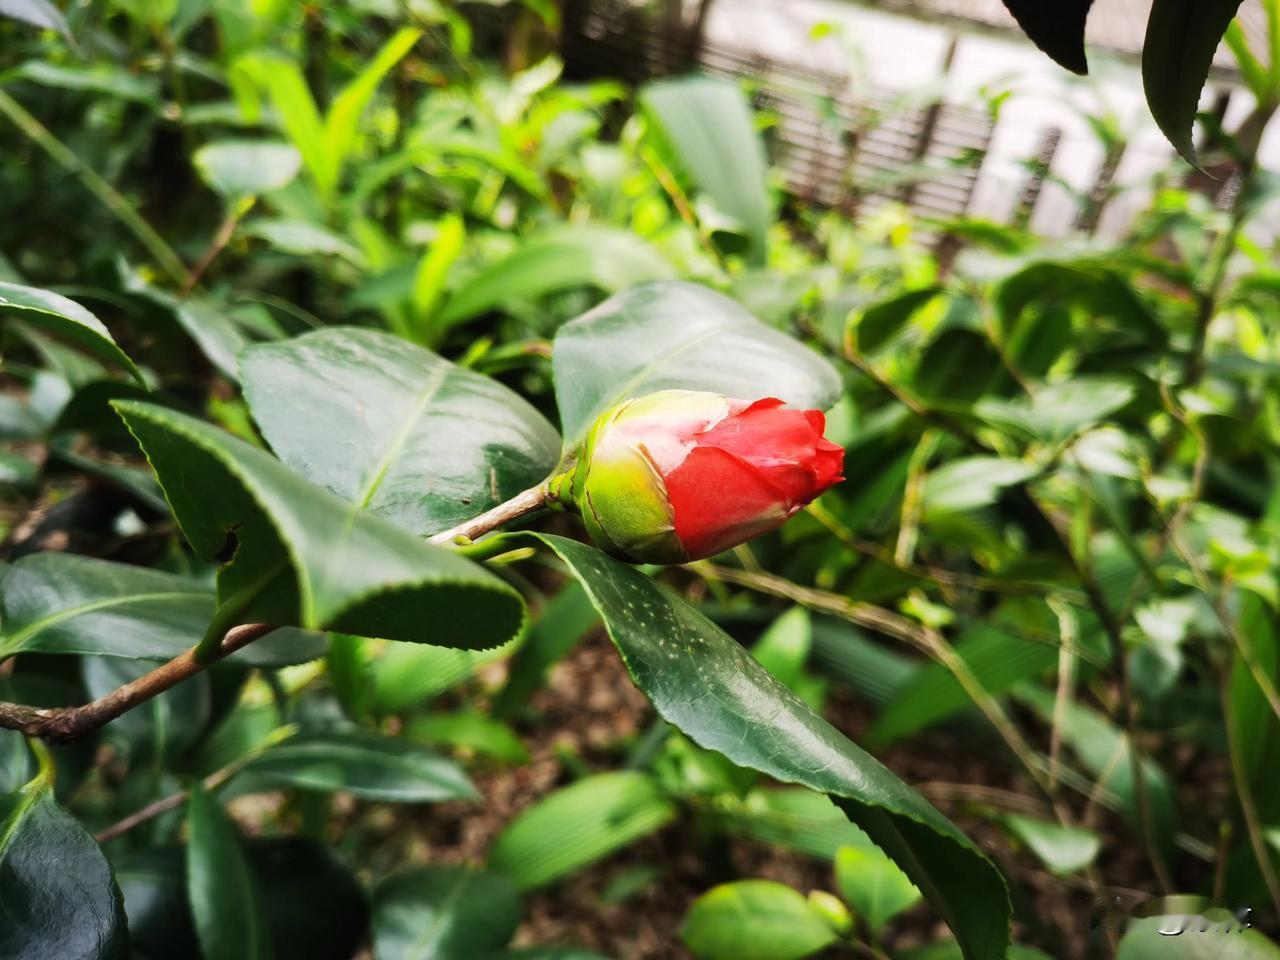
{"x":402,"y":438}
{"x":14,"y":642}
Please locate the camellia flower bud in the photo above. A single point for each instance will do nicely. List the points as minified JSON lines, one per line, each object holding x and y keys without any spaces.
{"x":680,"y":475}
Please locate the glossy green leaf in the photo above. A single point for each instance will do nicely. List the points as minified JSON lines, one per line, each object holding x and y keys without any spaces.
{"x":669,"y":335}
{"x":873,"y":885}
{"x":1182,"y":37}
{"x":590,"y":255}
{"x":62,"y":603}
{"x":1056,"y":28}
{"x":1062,"y":849}
{"x":314,"y":906}
{"x":378,"y":678}
{"x":470,"y":731}
{"x":238,"y":169}
{"x":578,"y":825}
{"x":64,"y":318}
{"x":754,"y":920}
{"x":442,"y":913}
{"x":58,"y":898}
{"x":709,"y":125}
{"x":971,"y":482}
{"x":395,"y":428}
{"x":706,"y":685}
{"x":301,"y":556}
{"x":223,"y":895}
{"x":303,"y":239}
{"x":365,"y":764}
{"x":1145,"y":941}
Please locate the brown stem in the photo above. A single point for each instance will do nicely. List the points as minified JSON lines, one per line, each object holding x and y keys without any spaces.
{"x":66,"y":724}
{"x":535,"y":498}
{"x":216,"y":246}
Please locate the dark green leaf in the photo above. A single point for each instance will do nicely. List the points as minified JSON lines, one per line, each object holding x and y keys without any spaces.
{"x":950,"y":950}
{"x":315,"y":907}
{"x":754,"y":920}
{"x":365,"y":764}
{"x":705,"y":684}
{"x":578,"y":825}
{"x":313,"y":904}
{"x":1182,"y":37}
{"x":301,"y":556}
{"x":224,"y":897}
{"x":62,"y":603}
{"x":58,"y":898}
{"x":442,"y":913}
{"x":1056,"y":28}
{"x":879,"y":323}
{"x":587,"y":255}
{"x":162,"y":728}
{"x":668,"y":335}
{"x":395,"y":428}
{"x":65,"y":318}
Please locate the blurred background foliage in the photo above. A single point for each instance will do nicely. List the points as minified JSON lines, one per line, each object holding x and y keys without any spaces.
{"x":1046,"y":594}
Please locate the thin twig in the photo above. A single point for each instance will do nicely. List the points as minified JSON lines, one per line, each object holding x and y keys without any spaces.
{"x":175,"y":800}
{"x":66,"y":724}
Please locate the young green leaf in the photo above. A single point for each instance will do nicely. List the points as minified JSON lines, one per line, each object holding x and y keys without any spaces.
{"x":239,"y":169}
{"x":1182,"y":37}
{"x":578,"y":825}
{"x":708,"y":123}
{"x":394,"y":428}
{"x":299,"y":555}
{"x":445,"y":913}
{"x":754,"y":920}
{"x":589,"y":255}
{"x":1063,"y":850}
{"x":58,"y":893}
{"x":678,"y":335}
{"x":706,"y":685}
{"x":873,"y":885}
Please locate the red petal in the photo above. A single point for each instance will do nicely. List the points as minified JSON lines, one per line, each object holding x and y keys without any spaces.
{"x":718,"y":501}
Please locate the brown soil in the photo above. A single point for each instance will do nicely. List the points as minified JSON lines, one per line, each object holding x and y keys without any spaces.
{"x":587,"y":717}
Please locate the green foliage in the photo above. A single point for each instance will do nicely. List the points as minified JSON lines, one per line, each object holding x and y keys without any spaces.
{"x":311,"y":285}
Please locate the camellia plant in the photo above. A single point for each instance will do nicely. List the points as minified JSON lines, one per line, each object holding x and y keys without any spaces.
{"x":380,"y":397}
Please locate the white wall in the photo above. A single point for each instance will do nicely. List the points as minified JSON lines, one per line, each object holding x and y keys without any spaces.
{"x":905,"y":54}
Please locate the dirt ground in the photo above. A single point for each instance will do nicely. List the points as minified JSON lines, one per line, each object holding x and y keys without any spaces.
{"x":589,"y":712}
